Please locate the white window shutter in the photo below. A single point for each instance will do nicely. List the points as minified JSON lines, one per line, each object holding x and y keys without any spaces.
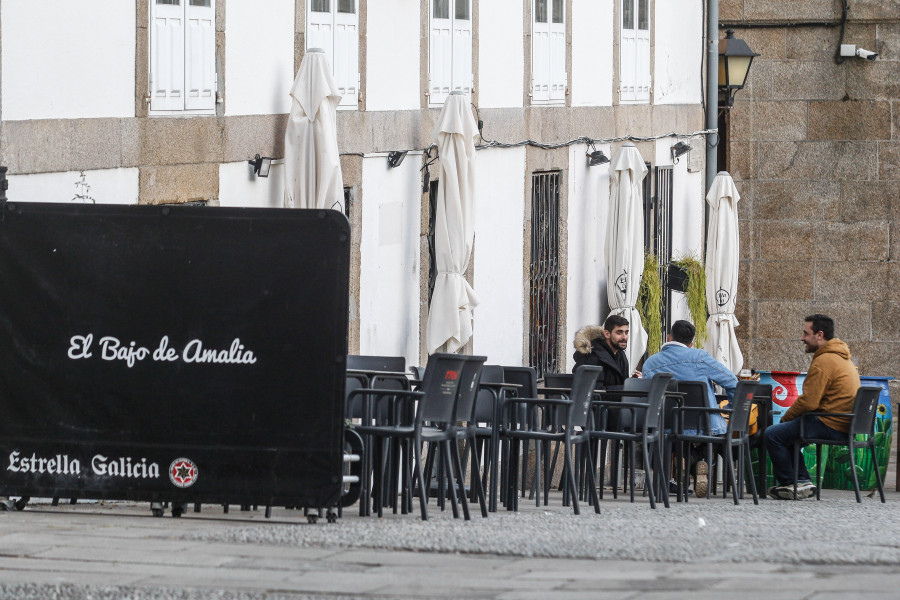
{"x":558,"y":77}
{"x":440,"y":60}
{"x":200,"y":63}
{"x":167,"y":57}
{"x":346,"y":56}
{"x":540,"y":63}
{"x":642,"y":65}
{"x":627,"y":65}
{"x":462,"y":55}
{"x":320,"y":32}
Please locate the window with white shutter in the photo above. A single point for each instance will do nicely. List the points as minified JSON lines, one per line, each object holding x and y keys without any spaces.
{"x":182,"y":57}
{"x":548,"y":52}
{"x":634,"y":51}
{"x":449,"y":49}
{"x":333,"y":26}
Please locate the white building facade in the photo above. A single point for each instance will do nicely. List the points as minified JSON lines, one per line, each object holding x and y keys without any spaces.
{"x":165,"y":101}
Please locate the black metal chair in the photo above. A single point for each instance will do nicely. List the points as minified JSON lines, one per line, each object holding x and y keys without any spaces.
{"x":648,"y":432}
{"x":862,"y":423}
{"x":434,"y":422}
{"x":465,"y":432}
{"x":737,"y":435}
{"x":569,"y":426}
{"x":693,"y":394}
{"x":492,"y":390}
{"x":368,"y":372}
{"x":763,"y":400}
{"x":526,"y":380}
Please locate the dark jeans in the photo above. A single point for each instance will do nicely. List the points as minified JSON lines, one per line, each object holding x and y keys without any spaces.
{"x":780,"y":440}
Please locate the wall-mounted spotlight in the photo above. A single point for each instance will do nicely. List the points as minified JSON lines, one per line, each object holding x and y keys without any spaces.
{"x":395,"y":158}
{"x":596,"y":158}
{"x":261,"y":165}
{"x":678,"y":150}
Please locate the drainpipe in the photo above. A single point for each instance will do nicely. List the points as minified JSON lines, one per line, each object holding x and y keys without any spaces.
{"x":712,"y":106}
{"x":712,"y":89}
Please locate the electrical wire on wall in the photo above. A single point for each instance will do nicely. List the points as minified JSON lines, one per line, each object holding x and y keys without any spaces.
{"x":430,"y":153}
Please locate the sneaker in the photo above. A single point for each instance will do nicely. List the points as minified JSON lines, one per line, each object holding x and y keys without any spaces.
{"x":783,"y":492}
{"x":773,"y":492}
{"x":701,"y":479}
{"x":673,"y":488}
{"x":805,"y":489}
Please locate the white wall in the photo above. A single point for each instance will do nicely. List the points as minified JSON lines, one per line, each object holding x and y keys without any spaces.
{"x":687,"y":198}
{"x":259,"y":57}
{"x":592,"y":55}
{"x":392,"y":55}
{"x":499,"y":262}
{"x":389,"y":261}
{"x":67,"y":60}
{"x":501,"y":54}
{"x":586,"y":302}
{"x":239,"y":186}
{"x":105,"y":186}
{"x":678,"y":51}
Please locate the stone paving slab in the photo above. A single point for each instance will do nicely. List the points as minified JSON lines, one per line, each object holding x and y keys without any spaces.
{"x":119,"y":551}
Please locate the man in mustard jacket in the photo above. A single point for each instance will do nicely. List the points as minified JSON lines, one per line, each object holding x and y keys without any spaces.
{"x":830,"y":386}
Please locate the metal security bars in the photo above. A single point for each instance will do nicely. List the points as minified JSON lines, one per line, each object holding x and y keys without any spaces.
{"x":432,"y":260}
{"x":544,"y":273}
{"x":658,"y":229}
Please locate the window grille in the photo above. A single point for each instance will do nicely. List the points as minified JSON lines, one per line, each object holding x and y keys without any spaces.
{"x":432,"y":261}
{"x":348,"y":197}
{"x":658,"y":229}
{"x":544,"y":273}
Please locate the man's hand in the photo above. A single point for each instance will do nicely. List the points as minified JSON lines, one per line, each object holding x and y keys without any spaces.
{"x":637,"y":374}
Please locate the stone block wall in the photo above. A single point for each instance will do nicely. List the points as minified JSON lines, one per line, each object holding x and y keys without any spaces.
{"x":815,"y":149}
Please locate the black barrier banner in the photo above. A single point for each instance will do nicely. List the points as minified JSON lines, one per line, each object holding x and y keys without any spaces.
{"x":172,"y":353}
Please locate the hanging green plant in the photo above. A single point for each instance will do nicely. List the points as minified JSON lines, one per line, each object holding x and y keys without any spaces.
{"x":649,"y":303}
{"x":695,"y":293}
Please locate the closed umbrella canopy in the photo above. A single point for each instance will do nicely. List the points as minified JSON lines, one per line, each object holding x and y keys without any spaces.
{"x":722,"y":255}
{"x":312,"y":167}
{"x":625,"y":245}
{"x":450,"y":317}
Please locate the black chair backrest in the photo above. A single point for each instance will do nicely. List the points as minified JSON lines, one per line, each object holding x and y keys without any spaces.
{"x":583,"y":383}
{"x":440,"y":386}
{"x":764,"y":393}
{"x":484,"y":402}
{"x":864,"y":410}
{"x":396,"y":364}
{"x":468,"y":387}
{"x":739,"y":421}
{"x":558,"y":380}
{"x":526,"y":377}
{"x":655,"y":397}
{"x":695,"y":395}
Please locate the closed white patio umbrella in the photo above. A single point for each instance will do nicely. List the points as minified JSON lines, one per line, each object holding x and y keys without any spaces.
{"x":722,"y":255}
{"x":625,"y":245}
{"x":312,"y":167}
{"x":450,"y":316}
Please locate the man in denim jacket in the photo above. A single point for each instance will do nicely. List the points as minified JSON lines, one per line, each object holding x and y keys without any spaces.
{"x":686,"y":363}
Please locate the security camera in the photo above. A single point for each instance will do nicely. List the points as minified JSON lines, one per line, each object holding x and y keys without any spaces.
{"x":849,"y":50}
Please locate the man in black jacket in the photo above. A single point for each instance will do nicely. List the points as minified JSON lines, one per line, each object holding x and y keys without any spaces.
{"x":603,"y":346}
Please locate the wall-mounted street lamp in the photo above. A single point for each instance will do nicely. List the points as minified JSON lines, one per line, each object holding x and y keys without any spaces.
{"x":597,"y":158}
{"x":395,"y":158}
{"x":679,"y":150}
{"x":261,"y":165}
{"x":735,"y":58}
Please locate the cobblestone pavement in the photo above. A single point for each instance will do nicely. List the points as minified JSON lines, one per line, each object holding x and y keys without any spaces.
{"x":835,"y":548}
